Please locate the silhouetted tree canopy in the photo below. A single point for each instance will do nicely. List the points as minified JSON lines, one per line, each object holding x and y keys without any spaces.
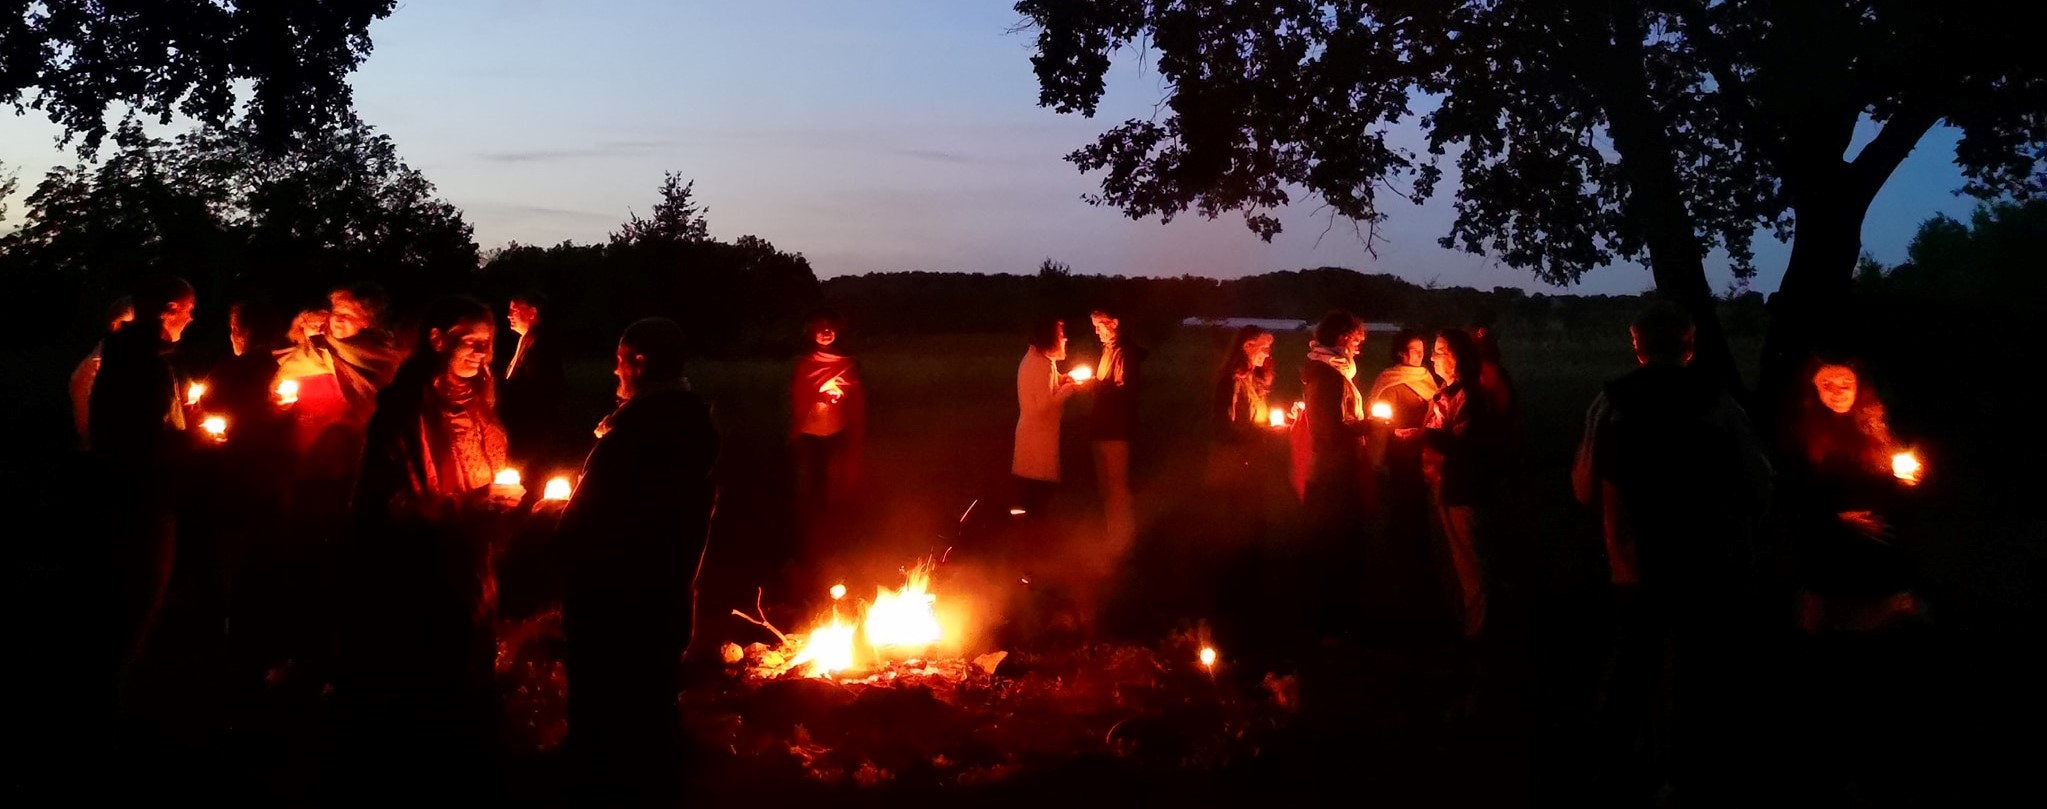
{"x":75,"y":60}
{"x":214,"y":206}
{"x":1992,"y":260}
{"x":1582,"y":131}
{"x":677,"y":217}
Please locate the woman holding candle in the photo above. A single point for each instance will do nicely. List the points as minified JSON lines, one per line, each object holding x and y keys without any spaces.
{"x":1405,"y":390}
{"x":1328,"y":471}
{"x":418,"y":650}
{"x":1457,"y":465}
{"x":1856,"y":585}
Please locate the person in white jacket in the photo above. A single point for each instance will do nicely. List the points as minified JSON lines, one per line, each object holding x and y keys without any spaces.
{"x":1040,"y":392}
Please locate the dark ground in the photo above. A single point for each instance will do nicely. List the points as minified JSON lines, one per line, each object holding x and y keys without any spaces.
{"x":1384,"y":714}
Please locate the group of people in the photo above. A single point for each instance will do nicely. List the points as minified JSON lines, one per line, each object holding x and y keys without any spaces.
{"x":389,"y":473}
{"x":326,"y":431}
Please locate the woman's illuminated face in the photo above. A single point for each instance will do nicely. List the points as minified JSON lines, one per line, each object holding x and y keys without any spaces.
{"x":1837,"y":387}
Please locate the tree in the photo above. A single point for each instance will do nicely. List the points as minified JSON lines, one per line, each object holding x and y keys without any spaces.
{"x":73,"y":60}
{"x":1586,"y":131}
{"x":677,"y":217}
{"x":1993,"y":260}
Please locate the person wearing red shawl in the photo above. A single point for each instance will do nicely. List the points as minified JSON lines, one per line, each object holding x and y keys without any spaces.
{"x":827,"y":428}
{"x":416,"y":645}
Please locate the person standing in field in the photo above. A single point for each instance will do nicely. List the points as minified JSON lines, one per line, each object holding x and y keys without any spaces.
{"x":534,"y":387}
{"x":632,"y":541}
{"x":1041,"y":393}
{"x":1118,"y":382}
{"x":1673,"y":468}
{"x":1406,"y":388}
{"x":1239,"y":411}
{"x":827,"y":433}
{"x":1457,"y":462}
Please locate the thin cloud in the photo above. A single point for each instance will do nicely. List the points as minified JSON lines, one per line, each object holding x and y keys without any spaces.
{"x":627,"y":148}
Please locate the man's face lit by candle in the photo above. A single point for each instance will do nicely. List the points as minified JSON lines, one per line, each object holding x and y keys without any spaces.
{"x":346,"y":316}
{"x":521,"y":315}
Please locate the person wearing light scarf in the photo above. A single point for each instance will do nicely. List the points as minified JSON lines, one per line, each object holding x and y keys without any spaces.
{"x":1327,"y":437}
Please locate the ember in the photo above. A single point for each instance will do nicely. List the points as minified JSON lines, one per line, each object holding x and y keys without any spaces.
{"x":193,"y":392}
{"x":1905,"y":466}
{"x":558,"y":488}
{"x":288,"y":391}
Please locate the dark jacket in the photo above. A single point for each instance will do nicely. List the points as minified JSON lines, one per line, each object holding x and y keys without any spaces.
{"x":633,"y":536}
{"x":532,"y":400}
{"x":1830,"y":467}
{"x":137,"y":405}
{"x":1326,"y":445}
{"x":1460,"y":456}
{"x":1114,"y":417}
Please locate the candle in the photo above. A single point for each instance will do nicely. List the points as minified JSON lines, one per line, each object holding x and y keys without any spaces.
{"x":1207,"y":657}
{"x":193,"y":392}
{"x":831,"y":390}
{"x":1382,"y":411}
{"x":287,"y":391}
{"x":838,"y":591}
{"x":557,"y":488}
{"x":1081,"y":374}
{"x":1905,"y":466}
{"x":507,"y":477}
{"x":1277,"y":418}
{"x":215,"y":427}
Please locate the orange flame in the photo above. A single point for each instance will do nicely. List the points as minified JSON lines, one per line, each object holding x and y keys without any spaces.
{"x":288,"y":391}
{"x":1207,"y":657}
{"x":193,"y":392}
{"x":1277,"y":418}
{"x":1905,"y":466}
{"x":507,"y":477}
{"x":1382,"y":411}
{"x":1081,"y":374}
{"x":558,"y":488}
{"x":215,"y":427}
{"x":828,"y":648}
{"x":838,"y":591}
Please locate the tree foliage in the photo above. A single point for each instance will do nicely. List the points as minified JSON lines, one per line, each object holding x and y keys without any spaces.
{"x":1992,"y":260}
{"x":215,"y":206}
{"x":77,"y":60}
{"x":678,"y":217}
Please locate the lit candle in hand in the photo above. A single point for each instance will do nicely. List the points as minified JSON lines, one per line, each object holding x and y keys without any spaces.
{"x":507,"y":477}
{"x":1277,"y":418}
{"x":1905,"y":466}
{"x":1382,"y":411}
{"x":215,"y":427}
{"x":193,"y":392}
{"x":557,"y":488}
{"x":287,"y":391}
{"x":1081,"y":374}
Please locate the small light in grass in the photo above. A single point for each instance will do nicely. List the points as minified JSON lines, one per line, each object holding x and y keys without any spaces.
{"x":1208,"y":657}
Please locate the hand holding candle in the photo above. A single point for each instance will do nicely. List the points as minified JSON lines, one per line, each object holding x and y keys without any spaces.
{"x":215,"y":428}
{"x":1382,"y":411}
{"x":288,"y":392}
{"x":832,"y":390}
{"x":558,"y":488}
{"x":1277,"y":418}
{"x":1081,"y":374}
{"x":1905,"y":466}
{"x":505,"y":491}
{"x":193,"y":392}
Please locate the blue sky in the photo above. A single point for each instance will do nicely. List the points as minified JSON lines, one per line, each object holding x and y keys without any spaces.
{"x":871,"y":136}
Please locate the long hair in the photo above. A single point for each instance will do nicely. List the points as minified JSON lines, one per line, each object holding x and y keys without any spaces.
{"x":1465,"y":351}
{"x":424,"y":364}
{"x":1239,"y":363}
{"x":1821,"y":433}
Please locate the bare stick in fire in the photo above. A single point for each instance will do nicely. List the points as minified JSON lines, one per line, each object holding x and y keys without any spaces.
{"x":762,"y":622}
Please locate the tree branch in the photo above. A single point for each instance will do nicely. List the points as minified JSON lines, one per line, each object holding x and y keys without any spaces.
{"x":1900,"y":134}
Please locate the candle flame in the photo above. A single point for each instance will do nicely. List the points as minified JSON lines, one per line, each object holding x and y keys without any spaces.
{"x":1298,"y":407}
{"x":507,"y":477}
{"x":1017,"y":512}
{"x":1208,"y":657}
{"x":1277,"y":418}
{"x":1081,"y":374}
{"x":838,"y":591}
{"x":557,"y":488}
{"x":288,"y":391}
{"x":1382,"y":411}
{"x":193,"y":392}
{"x":1905,"y":466}
{"x":215,"y":426}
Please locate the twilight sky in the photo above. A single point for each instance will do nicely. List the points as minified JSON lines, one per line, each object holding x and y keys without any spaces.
{"x":873,"y":136}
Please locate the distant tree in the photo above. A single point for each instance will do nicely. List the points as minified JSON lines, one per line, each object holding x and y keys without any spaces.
{"x":677,"y":217}
{"x":75,"y":60}
{"x":1992,"y":260}
{"x":1869,"y":272}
